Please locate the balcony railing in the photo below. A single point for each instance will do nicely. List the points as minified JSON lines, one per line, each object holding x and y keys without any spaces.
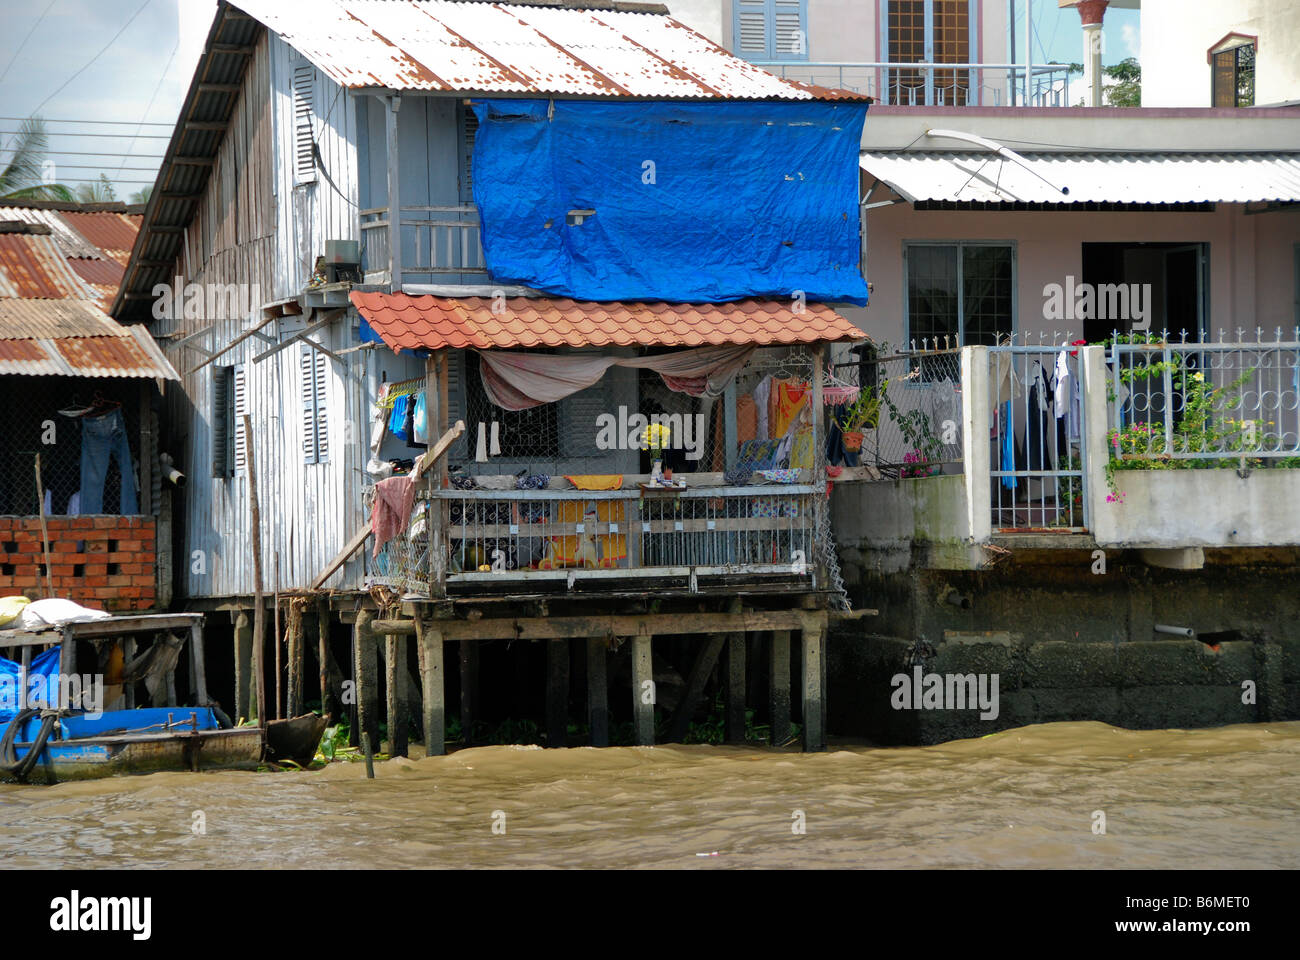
{"x":510,"y":538}
{"x":938,"y":84}
{"x":437,"y":242}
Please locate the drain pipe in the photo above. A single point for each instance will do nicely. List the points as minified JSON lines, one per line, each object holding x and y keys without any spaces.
{"x":1176,"y":631}
{"x":958,"y":599}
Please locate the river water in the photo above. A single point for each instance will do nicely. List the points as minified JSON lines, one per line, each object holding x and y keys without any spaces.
{"x":1220,"y":798}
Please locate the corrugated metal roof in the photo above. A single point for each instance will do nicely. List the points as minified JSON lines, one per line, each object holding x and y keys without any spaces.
{"x":71,"y":243}
{"x":472,"y":47}
{"x":133,"y":354}
{"x":1151,"y":178}
{"x":104,"y":275}
{"x":406,"y":322}
{"x":33,"y":267}
{"x":111,"y":234}
{"x":55,"y":319}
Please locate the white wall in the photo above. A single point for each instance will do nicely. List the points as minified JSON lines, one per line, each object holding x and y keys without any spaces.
{"x":1176,"y":34}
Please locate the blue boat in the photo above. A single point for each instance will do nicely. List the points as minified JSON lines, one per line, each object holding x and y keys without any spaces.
{"x":146,"y":740}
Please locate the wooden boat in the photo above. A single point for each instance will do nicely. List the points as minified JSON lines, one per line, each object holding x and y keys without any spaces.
{"x":82,"y":747}
{"x":296,"y":739}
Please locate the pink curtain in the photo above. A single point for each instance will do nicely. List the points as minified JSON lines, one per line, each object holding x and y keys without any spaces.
{"x":517,"y":381}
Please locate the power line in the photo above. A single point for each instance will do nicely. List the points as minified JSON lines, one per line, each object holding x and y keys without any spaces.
{"x":100,"y":166}
{"x":124,"y":123}
{"x":89,"y":153}
{"x":154,"y":96}
{"x":111,"y":136}
{"x":39,"y":21}
{"x":111,"y":41}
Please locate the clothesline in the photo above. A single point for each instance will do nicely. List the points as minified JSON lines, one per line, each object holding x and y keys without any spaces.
{"x":401,"y":388}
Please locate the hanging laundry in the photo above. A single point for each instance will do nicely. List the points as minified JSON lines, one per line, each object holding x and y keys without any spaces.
{"x":1008,"y":460}
{"x":791,"y":398}
{"x":746,"y":419}
{"x":762,"y":398}
{"x":103,"y":439}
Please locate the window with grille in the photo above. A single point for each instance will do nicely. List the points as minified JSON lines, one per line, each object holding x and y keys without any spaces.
{"x":531,"y":435}
{"x":1234,"y":77}
{"x":315,"y":423}
{"x":229,"y":404}
{"x":770,"y":29}
{"x":468,"y":131}
{"x":304,"y":158}
{"x":962,"y":291}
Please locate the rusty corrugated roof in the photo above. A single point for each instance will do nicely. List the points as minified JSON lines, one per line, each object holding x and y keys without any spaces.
{"x":596,"y":49}
{"x":33,"y":267}
{"x":428,"y":322}
{"x":111,"y":234}
{"x":54,"y":319}
{"x":129,"y":353}
{"x":104,"y":275}
{"x":71,"y":242}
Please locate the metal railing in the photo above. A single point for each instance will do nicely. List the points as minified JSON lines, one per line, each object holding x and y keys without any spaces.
{"x":439,"y":241}
{"x":1038,"y":458}
{"x":1204,"y":401}
{"x":496,"y":535}
{"x":937,"y":84}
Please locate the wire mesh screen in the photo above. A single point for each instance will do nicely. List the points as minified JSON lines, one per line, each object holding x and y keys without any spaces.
{"x":909,"y":412}
{"x":567,"y":486}
{"x":33,"y":424}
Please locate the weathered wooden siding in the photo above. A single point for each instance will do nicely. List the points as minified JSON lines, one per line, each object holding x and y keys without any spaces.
{"x":255,"y":228}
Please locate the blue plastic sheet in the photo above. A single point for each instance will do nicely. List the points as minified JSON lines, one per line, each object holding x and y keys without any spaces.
{"x":694,"y":202}
{"x":42,"y":667}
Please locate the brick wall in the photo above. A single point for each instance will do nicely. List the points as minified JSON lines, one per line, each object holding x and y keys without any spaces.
{"x":102,"y":562}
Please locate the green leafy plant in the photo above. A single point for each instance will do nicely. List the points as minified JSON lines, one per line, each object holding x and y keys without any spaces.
{"x":863,"y":413}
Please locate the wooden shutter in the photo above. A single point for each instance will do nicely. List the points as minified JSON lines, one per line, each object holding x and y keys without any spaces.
{"x":468,"y":132}
{"x":578,"y":413}
{"x":220,"y":421}
{"x":315,"y":427}
{"x":789,"y":36}
{"x":750,"y":29}
{"x":455,"y":406}
{"x":304,"y":160}
{"x":238,"y":406}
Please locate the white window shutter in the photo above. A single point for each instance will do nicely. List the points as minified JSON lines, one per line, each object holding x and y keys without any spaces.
{"x":322,"y":423}
{"x":751,"y":28}
{"x":304,"y":159}
{"x":315,"y":426}
{"x":239,"y":407}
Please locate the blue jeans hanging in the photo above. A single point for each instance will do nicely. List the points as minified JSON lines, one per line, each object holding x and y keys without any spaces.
{"x":102,"y":439}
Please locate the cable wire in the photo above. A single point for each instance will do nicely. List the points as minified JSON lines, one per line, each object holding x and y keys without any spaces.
{"x":128,"y":23}
{"x":39,"y":21}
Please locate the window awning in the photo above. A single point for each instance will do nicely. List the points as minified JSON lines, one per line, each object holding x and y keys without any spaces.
{"x":405,"y":322}
{"x":1129,"y":177}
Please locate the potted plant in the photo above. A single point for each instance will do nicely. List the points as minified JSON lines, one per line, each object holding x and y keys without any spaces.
{"x":862,"y":415}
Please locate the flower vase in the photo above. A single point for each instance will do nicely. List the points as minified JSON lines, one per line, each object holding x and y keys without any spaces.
{"x":657,"y":472}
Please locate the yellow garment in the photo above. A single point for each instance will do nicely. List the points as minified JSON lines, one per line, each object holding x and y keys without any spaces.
{"x":790,"y":399}
{"x":10,"y":608}
{"x":596,"y":481}
{"x":587,"y":550}
{"x":801,"y":449}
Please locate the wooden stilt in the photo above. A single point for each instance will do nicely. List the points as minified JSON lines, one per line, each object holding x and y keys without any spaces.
{"x":643,"y":707}
{"x":128,"y":688}
{"x":435,"y":697}
{"x":398,"y":697}
{"x":199,"y":668}
{"x":328,"y":707}
{"x":294,"y":653}
{"x":365,"y":666}
{"x":468,"y":690}
{"x":597,"y":691}
{"x":779,"y":687}
{"x":814,"y":729}
{"x":699,"y":676}
{"x":557,"y":693}
{"x":736,"y":688}
{"x":244,"y":696}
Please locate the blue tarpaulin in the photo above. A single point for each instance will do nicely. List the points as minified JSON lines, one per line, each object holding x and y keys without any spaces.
{"x":42,"y":667}
{"x":694,"y":202}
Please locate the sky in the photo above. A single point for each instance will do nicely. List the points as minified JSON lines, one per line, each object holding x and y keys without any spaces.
{"x":67,"y":59}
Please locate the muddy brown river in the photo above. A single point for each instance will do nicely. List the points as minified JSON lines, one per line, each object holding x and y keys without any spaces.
{"x":1032,"y":797}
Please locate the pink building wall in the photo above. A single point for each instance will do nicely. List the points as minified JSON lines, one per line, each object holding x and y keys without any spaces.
{"x":1252,"y":259}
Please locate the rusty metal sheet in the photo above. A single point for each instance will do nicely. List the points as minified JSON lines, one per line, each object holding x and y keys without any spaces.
{"x":71,"y":242}
{"x":54,"y":319}
{"x":111,"y":234}
{"x":447,"y":46}
{"x":34,"y":267}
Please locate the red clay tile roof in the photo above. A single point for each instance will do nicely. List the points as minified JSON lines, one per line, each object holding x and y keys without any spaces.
{"x":406,"y":322}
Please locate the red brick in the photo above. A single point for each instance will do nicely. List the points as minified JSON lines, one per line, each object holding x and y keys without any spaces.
{"x":119,"y":581}
{"x":64,"y":546}
{"x":96,"y":546}
{"x":23,"y":581}
{"x":81,"y":523}
{"x":105,"y":523}
{"x":30,"y":546}
{"x":99,"y":580}
{"x":62,"y":570}
{"x":142,"y":579}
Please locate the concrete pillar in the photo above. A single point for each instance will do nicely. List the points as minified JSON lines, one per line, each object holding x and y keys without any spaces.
{"x":432,"y":681}
{"x":365,"y":670}
{"x":1091,"y":13}
{"x":643,"y":707}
